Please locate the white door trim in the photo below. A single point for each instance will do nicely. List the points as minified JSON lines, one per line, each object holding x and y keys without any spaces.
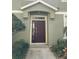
{"x":45,"y":28}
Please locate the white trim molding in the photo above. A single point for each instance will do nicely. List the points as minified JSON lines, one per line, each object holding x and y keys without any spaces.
{"x":17,"y":11}
{"x":39,"y":1}
{"x":60,"y":12}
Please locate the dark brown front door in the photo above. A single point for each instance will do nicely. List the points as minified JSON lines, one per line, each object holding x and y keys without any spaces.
{"x":38,"y":31}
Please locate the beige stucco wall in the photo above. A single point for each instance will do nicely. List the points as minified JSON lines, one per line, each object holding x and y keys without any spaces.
{"x":22,"y":34}
{"x":55,"y":26}
{"x":39,"y":7}
{"x":55,"y":29}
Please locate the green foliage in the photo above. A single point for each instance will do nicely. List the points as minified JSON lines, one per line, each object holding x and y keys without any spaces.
{"x":19,"y":49}
{"x":17,"y":24}
{"x":58,"y":48}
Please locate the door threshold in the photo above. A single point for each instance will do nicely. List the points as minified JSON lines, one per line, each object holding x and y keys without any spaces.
{"x":38,"y":43}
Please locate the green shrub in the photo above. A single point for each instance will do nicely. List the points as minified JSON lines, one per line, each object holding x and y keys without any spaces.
{"x":58,"y":48}
{"x":17,"y":24}
{"x":19,"y":49}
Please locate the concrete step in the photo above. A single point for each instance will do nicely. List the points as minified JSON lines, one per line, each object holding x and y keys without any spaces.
{"x":39,"y":45}
{"x":40,"y":53}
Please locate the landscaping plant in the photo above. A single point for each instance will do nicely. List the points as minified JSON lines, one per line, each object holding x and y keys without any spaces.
{"x":17,"y":24}
{"x":19,"y":49}
{"x":59,"y":47}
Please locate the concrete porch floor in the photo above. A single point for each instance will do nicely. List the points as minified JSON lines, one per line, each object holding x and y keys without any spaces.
{"x":40,"y":53}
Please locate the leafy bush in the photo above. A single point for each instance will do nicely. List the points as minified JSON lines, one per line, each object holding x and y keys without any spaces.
{"x":58,"y":48}
{"x":19,"y":49}
{"x":17,"y":24}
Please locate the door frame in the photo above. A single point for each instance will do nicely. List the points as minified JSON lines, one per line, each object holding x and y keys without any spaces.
{"x":31,"y":27}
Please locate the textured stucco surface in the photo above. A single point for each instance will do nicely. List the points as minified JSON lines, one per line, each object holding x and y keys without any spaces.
{"x":54,"y":30}
{"x":55,"y":26}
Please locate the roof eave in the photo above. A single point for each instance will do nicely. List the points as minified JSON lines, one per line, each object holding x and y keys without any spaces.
{"x":26,"y":6}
